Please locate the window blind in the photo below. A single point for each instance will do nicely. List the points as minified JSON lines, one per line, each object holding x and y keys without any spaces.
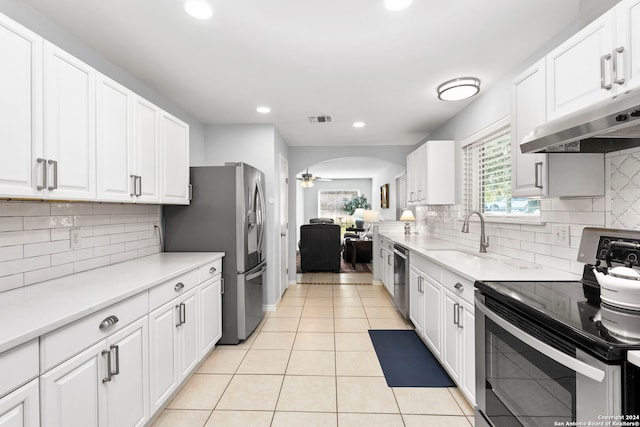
{"x":401,"y":194}
{"x":487,"y":170}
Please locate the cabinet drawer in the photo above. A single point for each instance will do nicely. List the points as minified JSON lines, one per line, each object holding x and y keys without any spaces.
{"x":458,"y":285}
{"x":69,"y":340}
{"x":170,"y":289}
{"x":18,"y":366}
{"x":209,"y":270}
{"x":427,"y":267}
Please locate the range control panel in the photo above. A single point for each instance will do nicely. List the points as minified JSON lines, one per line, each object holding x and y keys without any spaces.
{"x":596,"y":242}
{"x":625,"y":253}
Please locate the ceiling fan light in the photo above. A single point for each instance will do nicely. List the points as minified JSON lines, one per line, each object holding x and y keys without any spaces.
{"x":395,"y":5}
{"x":306,"y":184}
{"x":199,"y":9}
{"x":458,"y":89}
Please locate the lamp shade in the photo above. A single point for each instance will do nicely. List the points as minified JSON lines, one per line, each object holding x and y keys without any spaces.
{"x":371,"y":215}
{"x":407,"y":216}
{"x":358,"y":213}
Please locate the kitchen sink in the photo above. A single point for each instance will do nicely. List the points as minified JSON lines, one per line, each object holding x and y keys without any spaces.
{"x":467,"y":256}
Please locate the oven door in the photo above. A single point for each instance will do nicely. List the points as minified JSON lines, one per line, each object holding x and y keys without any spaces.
{"x":527,"y":375}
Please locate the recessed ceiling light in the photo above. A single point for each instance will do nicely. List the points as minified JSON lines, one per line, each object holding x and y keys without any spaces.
{"x":263,"y":109}
{"x":358,"y":124}
{"x":199,"y":9}
{"x":396,"y":5}
{"x":458,"y":89}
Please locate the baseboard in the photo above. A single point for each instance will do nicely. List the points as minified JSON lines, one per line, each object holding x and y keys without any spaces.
{"x":293,"y":282}
{"x":376,"y":282}
{"x":269,"y":307}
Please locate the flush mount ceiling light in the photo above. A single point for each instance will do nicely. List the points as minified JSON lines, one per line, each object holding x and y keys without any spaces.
{"x":457,"y":89}
{"x":358,"y":124}
{"x":199,"y":9}
{"x":395,"y":5}
{"x":263,"y":109}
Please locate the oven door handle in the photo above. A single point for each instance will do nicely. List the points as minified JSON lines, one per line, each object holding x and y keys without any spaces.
{"x":560,"y":357}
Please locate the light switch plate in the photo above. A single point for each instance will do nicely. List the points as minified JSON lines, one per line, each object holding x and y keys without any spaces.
{"x":75,"y":238}
{"x":561,"y":236}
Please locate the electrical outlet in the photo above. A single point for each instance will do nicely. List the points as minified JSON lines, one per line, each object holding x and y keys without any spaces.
{"x":75,"y":238}
{"x":560,"y":235}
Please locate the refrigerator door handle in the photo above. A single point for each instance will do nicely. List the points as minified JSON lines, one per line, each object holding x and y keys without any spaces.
{"x":252,"y":275}
{"x":259,"y":207}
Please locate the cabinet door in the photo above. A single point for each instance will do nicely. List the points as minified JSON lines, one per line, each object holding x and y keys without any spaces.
{"x":440,"y":173}
{"x":72,"y":393}
{"x":69,"y":138}
{"x":432,"y":313}
{"x":114,"y":141}
{"x":210,"y":315}
{"x":412,"y":185}
{"x":579,"y":70}
{"x":451,"y":336}
{"x":421,"y":174}
{"x":128,"y":391}
{"x":20,"y":408}
{"x":188,"y":354}
{"x":174,"y":136}
{"x":146,"y":151}
{"x":21,"y":110}
{"x":628,"y":37}
{"x":528,"y":110}
{"x":468,"y":351}
{"x":416,"y":300}
{"x":162,"y":356}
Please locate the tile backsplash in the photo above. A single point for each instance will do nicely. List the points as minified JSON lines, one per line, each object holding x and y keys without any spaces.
{"x":35,"y":242}
{"x":619,"y":208}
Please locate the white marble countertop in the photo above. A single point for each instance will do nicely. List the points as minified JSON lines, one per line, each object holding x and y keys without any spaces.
{"x":31,"y":311}
{"x":634,"y":357}
{"x":473,"y":265}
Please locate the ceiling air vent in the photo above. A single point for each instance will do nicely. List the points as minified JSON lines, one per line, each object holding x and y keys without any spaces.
{"x":320,"y":119}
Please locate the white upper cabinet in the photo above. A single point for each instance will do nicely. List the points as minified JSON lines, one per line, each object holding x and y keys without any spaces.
{"x":146,"y":152}
{"x":20,"y":109}
{"x":628,"y":38}
{"x":431,"y":172}
{"x":69,"y":137}
{"x":114,"y":141}
{"x":599,"y":62}
{"x":528,"y":110}
{"x":174,"y":145}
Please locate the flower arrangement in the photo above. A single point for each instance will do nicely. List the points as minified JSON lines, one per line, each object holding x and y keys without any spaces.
{"x":355,"y":203}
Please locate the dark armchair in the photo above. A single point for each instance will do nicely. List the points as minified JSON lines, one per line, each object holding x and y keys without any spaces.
{"x":319,"y":247}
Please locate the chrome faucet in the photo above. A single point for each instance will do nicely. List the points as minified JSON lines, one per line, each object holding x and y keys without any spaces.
{"x":484,"y":240}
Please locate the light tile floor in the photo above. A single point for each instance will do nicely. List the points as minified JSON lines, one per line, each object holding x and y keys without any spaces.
{"x":311,"y":363}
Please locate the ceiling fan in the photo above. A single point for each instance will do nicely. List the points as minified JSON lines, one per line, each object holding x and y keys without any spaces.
{"x":306,"y":179}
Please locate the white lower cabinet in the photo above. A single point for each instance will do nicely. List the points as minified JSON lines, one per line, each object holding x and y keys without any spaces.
{"x":210,"y":309}
{"x":173,"y":342}
{"x":20,"y":408}
{"x":459,"y":342}
{"x":105,"y":385}
{"x":416,"y":300}
{"x":432,"y":314}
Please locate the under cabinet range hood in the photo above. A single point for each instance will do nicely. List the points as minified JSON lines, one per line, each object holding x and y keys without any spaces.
{"x":608,"y":126}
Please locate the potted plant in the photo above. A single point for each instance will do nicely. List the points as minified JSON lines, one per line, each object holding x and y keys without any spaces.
{"x":357,"y":202}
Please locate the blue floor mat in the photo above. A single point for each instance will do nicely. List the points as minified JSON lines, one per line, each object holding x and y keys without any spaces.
{"x":406,"y":361}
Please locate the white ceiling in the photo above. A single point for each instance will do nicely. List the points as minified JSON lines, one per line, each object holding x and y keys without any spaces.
{"x":352,"y":59}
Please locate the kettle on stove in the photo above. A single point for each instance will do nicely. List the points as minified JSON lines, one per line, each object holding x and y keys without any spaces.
{"x":620,"y":286}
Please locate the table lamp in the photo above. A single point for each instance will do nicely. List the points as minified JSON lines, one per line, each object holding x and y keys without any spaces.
{"x":407,"y":216}
{"x":370,"y":216}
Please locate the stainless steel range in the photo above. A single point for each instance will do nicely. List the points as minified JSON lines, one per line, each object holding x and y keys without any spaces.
{"x":555,"y":353}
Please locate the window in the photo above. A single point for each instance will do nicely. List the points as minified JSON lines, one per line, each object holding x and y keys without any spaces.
{"x":487,"y":176}
{"x":330,"y":203}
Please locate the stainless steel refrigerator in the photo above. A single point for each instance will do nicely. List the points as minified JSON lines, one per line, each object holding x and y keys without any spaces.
{"x":227,"y":213}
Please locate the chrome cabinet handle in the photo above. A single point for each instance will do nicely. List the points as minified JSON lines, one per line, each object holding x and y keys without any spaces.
{"x":178,"y":287}
{"x":109,"y":321}
{"x":117,"y":349}
{"x":538,"y":175}
{"x":459,"y":317}
{"x":55,"y":174}
{"x":132,"y":193}
{"x":212,"y":270}
{"x":109,"y":374}
{"x":178,"y":316}
{"x":411,"y":196}
{"x":458,"y":286}
{"x":44,"y":173}
{"x":190,"y":192}
{"x":603,"y":83}
{"x":139,"y":193}
{"x":616,"y":54}
{"x":222,"y":286}
{"x":456,"y":313}
{"x":183,"y":313}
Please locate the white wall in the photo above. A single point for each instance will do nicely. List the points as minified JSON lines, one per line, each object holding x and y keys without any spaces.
{"x":386,"y":176}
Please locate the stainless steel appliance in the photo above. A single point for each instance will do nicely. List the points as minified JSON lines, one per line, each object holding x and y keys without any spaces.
{"x":401,"y":279}
{"x":549,"y":352}
{"x":611,"y":125}
{"x":227,"y":213}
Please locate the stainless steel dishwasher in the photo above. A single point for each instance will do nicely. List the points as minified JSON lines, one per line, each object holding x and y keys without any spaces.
{"x":401,"y":279}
